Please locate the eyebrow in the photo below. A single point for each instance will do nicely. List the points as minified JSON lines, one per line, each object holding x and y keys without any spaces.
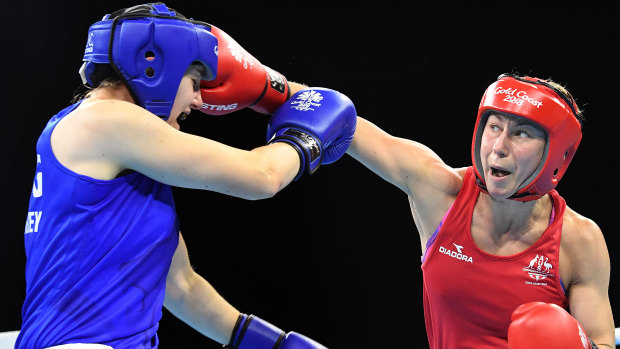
{"x":517,"y":119}
{"x":522,"y":122}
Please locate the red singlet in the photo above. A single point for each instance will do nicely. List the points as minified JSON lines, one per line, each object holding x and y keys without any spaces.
{"x":469,"y":294}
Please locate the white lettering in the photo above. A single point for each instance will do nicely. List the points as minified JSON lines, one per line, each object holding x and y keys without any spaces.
{"x":219,"y":107}
{"x":32,"y":222}
{"x":455,"y":254}
{"x":37,"y":186}
{"x":516,"y":96}
{"x":536,"y":283}
{"x":508,"y":91}
{"x":29,"y":223}
{"x":513,"y":99}
{"x":37,"y":216}
{"x":89,"y":44}
{"x":523,"y":95}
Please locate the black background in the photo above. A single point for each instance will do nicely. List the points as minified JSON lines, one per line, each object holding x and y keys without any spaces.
{"x":336,"y":255}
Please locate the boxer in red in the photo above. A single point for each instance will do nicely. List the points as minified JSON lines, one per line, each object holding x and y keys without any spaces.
{"x":497,"y":234}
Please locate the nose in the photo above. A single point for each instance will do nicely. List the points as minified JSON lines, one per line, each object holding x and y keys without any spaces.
{"x":197,"y":101}
{"x":500,"y":147}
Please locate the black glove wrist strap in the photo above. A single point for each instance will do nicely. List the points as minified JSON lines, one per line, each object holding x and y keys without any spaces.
{"x":234,"y":332}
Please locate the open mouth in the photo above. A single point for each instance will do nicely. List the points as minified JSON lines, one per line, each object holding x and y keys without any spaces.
{"x":496,"y":172}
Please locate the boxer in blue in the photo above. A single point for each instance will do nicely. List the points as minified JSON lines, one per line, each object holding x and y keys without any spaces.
{"x":104,"y":251}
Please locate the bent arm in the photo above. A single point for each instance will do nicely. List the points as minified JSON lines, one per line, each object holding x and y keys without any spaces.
{"x":588,"y":291}
{"x":193,"y":300}
{"x":135,"y":139}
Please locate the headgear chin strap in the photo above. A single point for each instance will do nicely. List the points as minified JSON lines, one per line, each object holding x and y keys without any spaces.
{"x":150,"y":46}
{"x":537,"y":101}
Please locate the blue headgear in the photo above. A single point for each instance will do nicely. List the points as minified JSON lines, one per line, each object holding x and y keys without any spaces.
{"x":150,"y":46}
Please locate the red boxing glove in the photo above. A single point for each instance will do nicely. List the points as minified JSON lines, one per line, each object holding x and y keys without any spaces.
{"x":544,"y":325}
{"x":241,"y":81}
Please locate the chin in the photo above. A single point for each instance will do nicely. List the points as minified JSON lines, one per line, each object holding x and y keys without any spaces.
{"x":499,"y":197}
{"x":499,"y":193}
{"x":174,"y":124}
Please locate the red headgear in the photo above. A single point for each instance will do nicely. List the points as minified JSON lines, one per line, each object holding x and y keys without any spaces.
{"x":535,"y":100}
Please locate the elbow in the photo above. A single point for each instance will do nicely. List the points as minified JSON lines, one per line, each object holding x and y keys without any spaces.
{"x":269,"y":184}
{"x":176,"y":293}
{"x":267,"y":191}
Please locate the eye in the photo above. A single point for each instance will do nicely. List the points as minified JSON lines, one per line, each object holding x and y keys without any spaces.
{"x":196,"y":84}
{"x":522,"y":134}
{"x":494,"y":128}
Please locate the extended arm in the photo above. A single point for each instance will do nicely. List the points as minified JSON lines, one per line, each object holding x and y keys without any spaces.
{"x":409,"y":165}
{"x":413,"y":168}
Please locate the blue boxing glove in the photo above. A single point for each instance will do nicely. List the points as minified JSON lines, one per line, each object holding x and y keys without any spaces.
{"x":252,"y":332}
{"x":318,"y":122}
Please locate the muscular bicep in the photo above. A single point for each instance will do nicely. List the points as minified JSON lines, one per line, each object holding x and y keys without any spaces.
{"x":409,"y":165}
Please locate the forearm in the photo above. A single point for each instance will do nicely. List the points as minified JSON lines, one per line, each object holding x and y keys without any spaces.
{"x":199,"y":305}
{"x":280,"y":164}
{"x":366,"y":134}
{"x":370,"y":147}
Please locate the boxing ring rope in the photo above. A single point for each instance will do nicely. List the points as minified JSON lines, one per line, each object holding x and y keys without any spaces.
{"x":7,"y":339}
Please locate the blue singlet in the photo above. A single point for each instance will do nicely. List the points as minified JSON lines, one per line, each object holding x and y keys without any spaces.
{"x":98,"y":253}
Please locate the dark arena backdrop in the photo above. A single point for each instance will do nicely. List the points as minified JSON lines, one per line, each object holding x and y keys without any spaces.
{"x":336,"y":255}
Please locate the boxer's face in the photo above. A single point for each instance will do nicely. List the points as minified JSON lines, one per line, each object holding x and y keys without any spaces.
{"x":510,"y":151}
{"x":188,"y":96}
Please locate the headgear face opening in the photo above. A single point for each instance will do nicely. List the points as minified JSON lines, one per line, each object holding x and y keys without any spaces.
{"x":537,"y":101}
{"x":150,"y":46}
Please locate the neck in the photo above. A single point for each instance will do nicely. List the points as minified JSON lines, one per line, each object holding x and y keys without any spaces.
{"x":119,"y":92}
{"x":515,"y":218}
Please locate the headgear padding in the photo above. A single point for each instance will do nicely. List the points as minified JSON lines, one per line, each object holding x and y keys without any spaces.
{"x":537,"y":101}
{"x":150,"y":46}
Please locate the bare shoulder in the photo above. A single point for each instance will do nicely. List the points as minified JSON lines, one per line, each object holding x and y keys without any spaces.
{"x":441,"y":182}
{"x":461,"y":172}
{"x":438,"y":177}
{"x":102,"y":118}
{"x":91,"y":139}
{"x":99,"y":124}
{"x":580,"y":232}
{"x":584,"y":245}
{"x":441,"y":179}
{"x":109,"y":114}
